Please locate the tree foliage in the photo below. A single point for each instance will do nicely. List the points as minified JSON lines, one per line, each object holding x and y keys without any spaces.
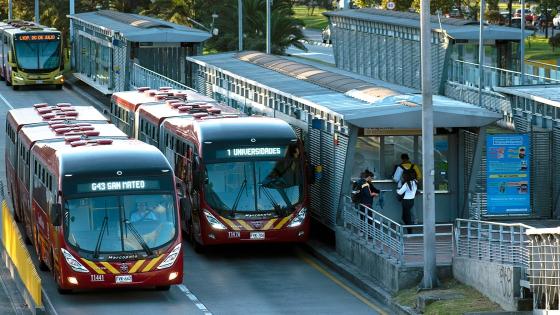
{"x":286,"y":30}
{"x":400,"y":5}
{"x":365,"y":3}
{"x":444,"y":5}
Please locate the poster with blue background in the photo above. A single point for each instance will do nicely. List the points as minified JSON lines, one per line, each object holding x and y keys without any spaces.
{"x":507,"y":174}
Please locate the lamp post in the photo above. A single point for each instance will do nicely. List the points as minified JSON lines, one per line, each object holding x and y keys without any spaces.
{"x":481,"y":53}
{"x":37,"y":12}
{"x":240,"y":24}
{"x":268,"y":48}
{"x":430,"y":274}
{"x":9,"y":9}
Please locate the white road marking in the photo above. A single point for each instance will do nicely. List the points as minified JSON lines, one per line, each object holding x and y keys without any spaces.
{"x":194,"y":299}
{"x":6,"y":101}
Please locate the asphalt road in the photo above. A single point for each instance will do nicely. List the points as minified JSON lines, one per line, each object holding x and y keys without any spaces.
{"x":265,"y":279}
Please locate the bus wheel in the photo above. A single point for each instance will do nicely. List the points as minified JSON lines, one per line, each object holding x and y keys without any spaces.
{"x":58,"y":86}
{"x":15,"y":87}
{"x":198,"y":248}
{"x":163,"y":288}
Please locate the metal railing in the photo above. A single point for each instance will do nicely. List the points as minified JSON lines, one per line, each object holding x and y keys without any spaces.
{"x":467,"y":73}
{"x":491,"y":241}
{"x":403,"y":243}
{"x":544,"y":267}
{"x":141,"y":76}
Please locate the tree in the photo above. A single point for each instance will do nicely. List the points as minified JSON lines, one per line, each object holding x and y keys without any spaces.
{"x":365,"y":3}
{"x":444,"y":5}
{"x":175,"y":11}
{"x":286,"y":30}
{"x":554,"y":41}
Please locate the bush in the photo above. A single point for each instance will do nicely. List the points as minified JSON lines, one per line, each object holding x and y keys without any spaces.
{"x":554,"y":41}
{"x":493,"y":17}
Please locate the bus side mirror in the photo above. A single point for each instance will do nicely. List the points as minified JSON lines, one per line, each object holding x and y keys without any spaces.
{"x":56,"y":214}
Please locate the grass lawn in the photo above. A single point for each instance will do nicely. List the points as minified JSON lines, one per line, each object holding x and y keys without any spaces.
{"x":537,"y":48}
{"x":471,"y":300}
{"x":316,"y":21}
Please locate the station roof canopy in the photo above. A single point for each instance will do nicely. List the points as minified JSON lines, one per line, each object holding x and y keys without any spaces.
{"x":140,"y":28}
{"x":455,"y":28}
{"x":547,"y":94}
{"x":357,"y":100}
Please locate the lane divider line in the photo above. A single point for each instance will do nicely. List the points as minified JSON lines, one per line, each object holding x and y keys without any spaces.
{"x":194,"y":299}
{"x":6,"y":101}
{"x":341,"y":284}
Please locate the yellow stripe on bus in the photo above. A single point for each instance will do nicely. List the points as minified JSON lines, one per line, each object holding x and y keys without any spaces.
{"x":228,"y":222}
{"x":281,"y":224}
{"x":94,"y":266}
{"x":269,"y":224}
{"x":151,"y":264}
{"x":110,"y":268}
{"x":136,"y":266}
{"x":245,"y":225}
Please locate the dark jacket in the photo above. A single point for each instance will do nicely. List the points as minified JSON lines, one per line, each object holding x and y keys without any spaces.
{"x":365,"y":196}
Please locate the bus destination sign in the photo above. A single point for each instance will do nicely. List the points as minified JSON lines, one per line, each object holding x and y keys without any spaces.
{"x":37,"y":37}
{"x":118,"y":185}
{"x":251,"y":152}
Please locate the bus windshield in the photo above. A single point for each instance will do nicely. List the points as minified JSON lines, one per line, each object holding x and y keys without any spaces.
{"x":254,"y":186}
{"x":109,"y":224}
{"x":38,"y":55}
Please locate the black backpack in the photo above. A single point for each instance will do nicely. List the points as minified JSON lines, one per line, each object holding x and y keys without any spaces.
{"x":356,"y":190}
{"x":411,"y":172}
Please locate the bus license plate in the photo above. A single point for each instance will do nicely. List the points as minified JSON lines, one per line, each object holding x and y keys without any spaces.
{"x":257,"y":235}
{"x":38,"y":81}
{"x":123,"y":279}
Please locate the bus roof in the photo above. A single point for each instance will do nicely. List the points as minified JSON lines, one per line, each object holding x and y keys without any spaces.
{"x":34,"y":133}
{"x":156,"y":113}
{"x":17,"y":27}
{"x":233,"y":130}
{"x":34,"y":115}
{"x":103,"y":160}
{"x":132,"y":99}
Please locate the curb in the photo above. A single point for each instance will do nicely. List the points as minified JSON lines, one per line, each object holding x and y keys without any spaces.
{"x":351,"y":273}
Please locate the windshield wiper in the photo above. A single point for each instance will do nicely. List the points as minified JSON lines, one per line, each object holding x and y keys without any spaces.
{"x":243,"y":186}
{"x":139,"y":238}
{"x":100,"y":237}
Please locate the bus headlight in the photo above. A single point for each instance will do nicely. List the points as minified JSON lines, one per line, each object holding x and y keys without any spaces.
{"x":73,"y":262}
{"x":58,"y":77}
{"x":18,"y":78}
{"x":170,"y":259}
{"x":214,"y":223}
{"x":298,"y":220}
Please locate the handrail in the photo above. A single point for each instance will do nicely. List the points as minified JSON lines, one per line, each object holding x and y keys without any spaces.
{"x":505,"y":243}
{"x":142,"y":76}
{"x":387,"y":237}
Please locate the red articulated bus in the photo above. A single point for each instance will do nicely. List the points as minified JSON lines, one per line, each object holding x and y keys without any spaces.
{"x":96,"y":220}
{"x":17,"y":119}
{"x":242,"y":179}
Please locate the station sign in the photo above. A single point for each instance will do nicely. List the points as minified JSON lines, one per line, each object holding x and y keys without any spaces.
{"x":508,"y":159}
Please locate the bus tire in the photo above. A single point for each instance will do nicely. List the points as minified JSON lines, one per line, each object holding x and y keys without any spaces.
{"x":15,"y":87}
{"x":198,"y":248}
{"x":58,"y":86}
{"x":163,"y":287}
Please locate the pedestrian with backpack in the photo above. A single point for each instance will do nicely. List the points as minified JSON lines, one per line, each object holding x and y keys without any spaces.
{"x":408,"y":193}
{"x":367,"y":190}
{"x":406,"y":167}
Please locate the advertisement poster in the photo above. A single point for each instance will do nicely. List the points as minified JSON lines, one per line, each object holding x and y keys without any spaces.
{"x":507,"y":181}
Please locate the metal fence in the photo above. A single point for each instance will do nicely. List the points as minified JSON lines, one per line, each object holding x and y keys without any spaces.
{"x":544,"y":267}
{"x":467,"y":73}
{"x":141,"y":76}
{"x":490,"y":241}
{"x":403,"y":243}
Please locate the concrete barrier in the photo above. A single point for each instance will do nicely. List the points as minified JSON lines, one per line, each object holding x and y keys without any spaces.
{"x":499,"y":282}
{"x":18,"y":261}
{"x":391,"y":276}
